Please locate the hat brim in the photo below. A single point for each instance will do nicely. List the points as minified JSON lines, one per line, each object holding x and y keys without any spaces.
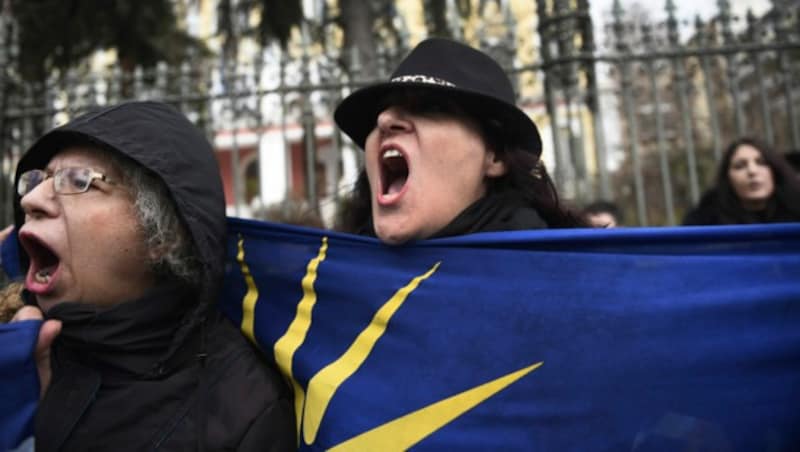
{"x":356,"y":115}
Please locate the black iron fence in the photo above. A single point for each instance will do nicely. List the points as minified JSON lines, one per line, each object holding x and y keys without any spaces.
{"x":639,"y":119}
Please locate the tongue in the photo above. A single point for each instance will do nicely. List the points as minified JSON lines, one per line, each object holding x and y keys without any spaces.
{"x":396,"y":185}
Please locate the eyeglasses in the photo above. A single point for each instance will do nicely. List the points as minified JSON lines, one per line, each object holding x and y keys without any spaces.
{"x":66,"y":181}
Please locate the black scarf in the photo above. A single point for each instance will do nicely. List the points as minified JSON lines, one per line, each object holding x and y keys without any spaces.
{"x":125,"y":339}
{"x":494,"y":212}
{"x":102,"y":362}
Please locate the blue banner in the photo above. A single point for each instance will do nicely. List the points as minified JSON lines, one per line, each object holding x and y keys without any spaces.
{"x":561,"y":340}
{"x":19,"y":383}
{"x":9,"y":256}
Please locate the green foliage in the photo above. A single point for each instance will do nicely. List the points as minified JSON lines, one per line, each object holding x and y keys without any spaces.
{"x":275,"y":23}
{"x":436,"y":16}
{"x":58,"y":34}
{"x":278,"y":17}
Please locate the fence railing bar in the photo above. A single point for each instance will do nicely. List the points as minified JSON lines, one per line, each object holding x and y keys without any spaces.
{"x":788,"y":76}
{"x":682,"y":52}
{"x":666,"y":177}
{"x":762,"y":94}
{"x":686,"y":116}
{"x":711,"y":99}
{"x":641,"y":208}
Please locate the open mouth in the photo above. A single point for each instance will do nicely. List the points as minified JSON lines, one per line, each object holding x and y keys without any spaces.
{"x":43,"y":263}
{"x":394,"y":172}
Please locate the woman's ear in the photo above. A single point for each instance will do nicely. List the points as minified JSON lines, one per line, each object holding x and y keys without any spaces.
{"x":493,"y":166}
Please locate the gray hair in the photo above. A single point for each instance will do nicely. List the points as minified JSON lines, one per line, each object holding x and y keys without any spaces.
{"x":173,"y":253}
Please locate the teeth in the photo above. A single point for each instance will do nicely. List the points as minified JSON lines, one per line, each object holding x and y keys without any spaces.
{"x":391,"y":153}
{"x":42,"y":276}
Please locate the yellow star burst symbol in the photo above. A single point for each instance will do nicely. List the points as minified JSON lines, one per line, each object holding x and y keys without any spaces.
{"x":312,"y":402}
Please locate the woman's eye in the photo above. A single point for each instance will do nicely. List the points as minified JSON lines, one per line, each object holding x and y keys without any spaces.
{"x":78,"y":180}
{"x":434,"y":107}
{"x":438,"y":108}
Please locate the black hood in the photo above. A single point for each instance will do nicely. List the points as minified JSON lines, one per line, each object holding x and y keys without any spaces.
{"x":161,"y":139}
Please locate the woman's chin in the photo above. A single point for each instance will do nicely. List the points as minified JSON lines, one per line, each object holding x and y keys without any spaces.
{"x":393,"y":239}
{"x":46,"y":303}
{"x":392,"y":234}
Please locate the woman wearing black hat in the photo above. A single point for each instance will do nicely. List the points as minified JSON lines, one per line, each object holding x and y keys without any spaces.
{"x":447,"y":152}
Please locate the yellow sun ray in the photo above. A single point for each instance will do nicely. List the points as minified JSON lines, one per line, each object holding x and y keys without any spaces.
{"x":323,"y":385}
{"x":406,"y":431}
{"x":295,"y":334}
{"x":398,"y":434}
{"x":250,"y":297}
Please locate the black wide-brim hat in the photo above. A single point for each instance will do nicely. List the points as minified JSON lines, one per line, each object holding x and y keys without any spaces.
{"x":463,"y":74}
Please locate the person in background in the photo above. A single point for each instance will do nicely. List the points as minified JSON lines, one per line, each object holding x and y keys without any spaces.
{"x":447,"y":151}
{"x":754,"y":184}
{"x":121,"y":221}
{"x":602,"y":214}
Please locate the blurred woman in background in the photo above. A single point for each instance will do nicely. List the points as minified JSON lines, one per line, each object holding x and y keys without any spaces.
{"x":754,"y":185}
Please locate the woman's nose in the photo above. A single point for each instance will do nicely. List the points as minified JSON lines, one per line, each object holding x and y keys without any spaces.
{"x":393,"y":120}
{"x":40,"y":201}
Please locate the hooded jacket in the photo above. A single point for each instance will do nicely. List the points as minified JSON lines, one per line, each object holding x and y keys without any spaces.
{"x":165,"y":371}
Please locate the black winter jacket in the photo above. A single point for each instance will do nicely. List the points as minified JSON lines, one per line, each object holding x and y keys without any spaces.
{"x":166,"y":371}
{"x":494,"y":212}
{"x":709,"y":212}
{"x":106,"y":395}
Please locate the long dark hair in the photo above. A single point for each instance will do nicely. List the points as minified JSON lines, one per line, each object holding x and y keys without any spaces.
{"x":525,"y":176}
{"x":783,"y":205}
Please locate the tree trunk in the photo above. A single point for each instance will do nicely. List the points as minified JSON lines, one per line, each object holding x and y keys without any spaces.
{"x":436,"y":19}
{"x":358,"y":19}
